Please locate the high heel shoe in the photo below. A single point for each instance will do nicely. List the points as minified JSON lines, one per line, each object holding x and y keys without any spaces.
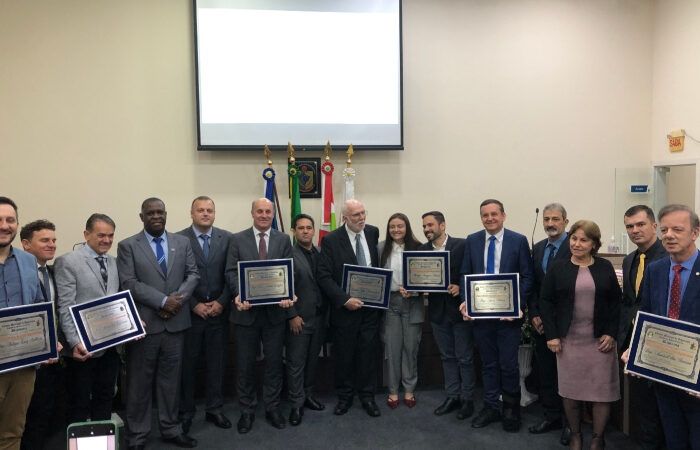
{"x":597,"y":442}
{"x":392,"y":403}
{"x":576,"y":442}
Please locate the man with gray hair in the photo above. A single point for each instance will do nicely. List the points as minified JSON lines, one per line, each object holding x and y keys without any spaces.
{"x":554,"y":247}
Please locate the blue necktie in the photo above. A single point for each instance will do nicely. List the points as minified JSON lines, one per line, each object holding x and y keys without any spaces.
{"x":160,"y":255}
{"x":550,"y":257}
{"x":491,"y":256}
{"x":359,"y":252}
{"x":205,"y":247}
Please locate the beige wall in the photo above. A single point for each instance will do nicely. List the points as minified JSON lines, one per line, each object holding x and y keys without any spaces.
{"x":527,"y":101}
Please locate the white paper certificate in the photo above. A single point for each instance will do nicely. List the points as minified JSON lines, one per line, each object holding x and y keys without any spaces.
{"x":24,"y":336}
{"x":108,"y":321}
{"x":671,"y":351}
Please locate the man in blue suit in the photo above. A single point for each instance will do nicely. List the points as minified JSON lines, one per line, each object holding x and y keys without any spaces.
{"x":671,"y":288}
{"x":21,"y":286}
{"x":498,"y":250}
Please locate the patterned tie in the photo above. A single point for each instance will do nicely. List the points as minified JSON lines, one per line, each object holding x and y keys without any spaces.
{"x":160,"y":255}
{"x":103,"y":269}
{"x":550,"y":257}
{"x":640,"y":273}
{"x":359,"y":252}
{"x":205,"y":247}
{"x":45,"y":283}
{"x":491,"y":256}
{"x":262,"y":247}
{"x":674,"y":308}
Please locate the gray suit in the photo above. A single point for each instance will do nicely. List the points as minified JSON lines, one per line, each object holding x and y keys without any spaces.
{"x":159,"y":354}
{"x":266,"y":323}
{"x":91,"y":385}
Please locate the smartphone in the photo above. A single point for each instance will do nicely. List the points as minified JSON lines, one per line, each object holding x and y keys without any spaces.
{"x":101,"y":435}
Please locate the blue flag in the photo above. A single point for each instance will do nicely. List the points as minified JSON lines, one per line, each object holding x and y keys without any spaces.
{"x":271,"y":192}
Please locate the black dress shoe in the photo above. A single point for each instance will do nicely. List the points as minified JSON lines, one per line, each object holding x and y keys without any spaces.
{"x":565,"y":438}
{"x":313,"y":404}
{"x":486,"y":416}
{"x":295,"y":416}
{"x":341,"y":408}
{"x":466,"y":410}
{"x":450,"y":404}
{"x":186,"y":425}
{"x":182,"y":441}
{"x":136,"y":447}
{"x":371,"y":408}
{"x":218,"y":419}
{"x":245,"y":423}
{"x":275,"y":419}
{"x":545,"y":426}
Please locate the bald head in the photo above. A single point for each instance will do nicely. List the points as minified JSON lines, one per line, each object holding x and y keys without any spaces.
{"x":263,"y":212}
{"x":354,"y":215}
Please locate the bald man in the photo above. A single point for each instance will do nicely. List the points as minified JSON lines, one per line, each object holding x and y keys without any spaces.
{"x":355,"y":328}
{"x":260,"y":323}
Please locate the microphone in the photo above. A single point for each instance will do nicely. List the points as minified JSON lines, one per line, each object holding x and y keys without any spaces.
{"x":534,"y":226}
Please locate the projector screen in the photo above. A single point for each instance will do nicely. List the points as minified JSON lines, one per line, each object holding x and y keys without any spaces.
{"x":300,"y":71}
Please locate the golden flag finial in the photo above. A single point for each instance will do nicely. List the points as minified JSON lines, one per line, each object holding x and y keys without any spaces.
{"x":266,"y":152}
{"x":290,"y":152}
{"x":350,"y":152}
{"x":327,"y":151}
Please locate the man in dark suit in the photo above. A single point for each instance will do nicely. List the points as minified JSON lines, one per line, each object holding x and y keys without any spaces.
{"x":454,"y":336}
{"x":257,"y":324}
{"x":544,"y":253}
{"x":39,"y":239}
{"x":641,"y":229}
{"x":498,"y":250}
{"x":306,"y":322}
{"x":159,"y":269}
{"x":355,"y":329}
{"x":671,"y":288}
{"x":208,"y":306}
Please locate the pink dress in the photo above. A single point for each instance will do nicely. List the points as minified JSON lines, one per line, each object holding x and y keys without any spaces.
{"x":585,"y":373}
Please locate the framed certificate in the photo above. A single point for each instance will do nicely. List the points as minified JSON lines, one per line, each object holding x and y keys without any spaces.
{"x":426,"y":271}
{"x":108,"y":321}
{"x":266,"y":282}
{"x":372,"y":285}
{"x":492,"y":296}
{"x":27,"y":336}
{"x":665,"y":350}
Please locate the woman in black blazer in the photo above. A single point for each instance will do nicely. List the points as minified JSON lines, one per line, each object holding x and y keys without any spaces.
{"x":580,"y":310}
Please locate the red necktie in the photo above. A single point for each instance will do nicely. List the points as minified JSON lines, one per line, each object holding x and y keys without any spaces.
{"x":674,"y":308}
{"x":262,"y":247}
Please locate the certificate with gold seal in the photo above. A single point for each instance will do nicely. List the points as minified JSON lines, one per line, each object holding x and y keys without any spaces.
{"x":492,"y":296}
{"x":107,"y":321}
{"x":372,"y":285}
{"x":426,"y":271}
{"x":27,"y":336}
{"x":266,"y":282}
{"x":666,"y":350}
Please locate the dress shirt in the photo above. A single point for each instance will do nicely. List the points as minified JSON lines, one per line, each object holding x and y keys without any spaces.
{"x":266,"y":235}
{"x":650,"y":256}
{"x":10,"y":284}
{"x":164,"y":243}
{"x":365,"y":247}
{"x":199,"y":235}
{"x":685,"y":276}
{"x":395,"y":263}
{"x":49,"y":289}
{"x":548,"y":249}
{"x":443,"y":246}
{"x":497,"y":253}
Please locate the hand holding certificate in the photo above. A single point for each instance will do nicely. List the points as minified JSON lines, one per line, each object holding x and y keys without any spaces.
{"x":265,"y":282}
{"x":426,"y":271}
{"x":371,"y":285}
{"x":492,"y":296}
{"x":27,"y":336}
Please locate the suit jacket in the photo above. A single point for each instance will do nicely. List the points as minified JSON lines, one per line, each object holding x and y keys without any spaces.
{"x":78,"y":280}
{"x":309,"y":297}
{"x":557,"y":298}
{"x":515,"y":258}
{"x":336,"y":251}
{"x":140,"y":273}
{"x":655,"y":289}
{"x":244,"y":248}
{"x":29,"y":277}
{"x":416,"y":306}
{"x":212,"y":281}
{"x":630,"y":300}
{"x":442,"y":305}
{"x":564,"y":253}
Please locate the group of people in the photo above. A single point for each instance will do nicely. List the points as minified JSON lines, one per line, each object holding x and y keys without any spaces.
{"x":186,"y":284}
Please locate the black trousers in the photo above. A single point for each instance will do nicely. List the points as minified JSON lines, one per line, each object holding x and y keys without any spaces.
{"x":302,"y":360}
{"x":643,"y":401}
{"x":91,"y":387}
{"x":355,"y":347}
{"x":48,"y":387}
{"x":547,"y":376}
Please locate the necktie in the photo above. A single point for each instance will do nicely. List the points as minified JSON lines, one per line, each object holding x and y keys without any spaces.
{"x":262,"y":247}
{"x":674,"y":308}
{"x":359,"y":252}
{"x":160,"y":255}
{"x":550,"y":257}
{"x":491,"y":256}
{"x":103,"y":269}
{"x":205,"y":247}
{"x":640,"y":273}
{"x":45,"y":283}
